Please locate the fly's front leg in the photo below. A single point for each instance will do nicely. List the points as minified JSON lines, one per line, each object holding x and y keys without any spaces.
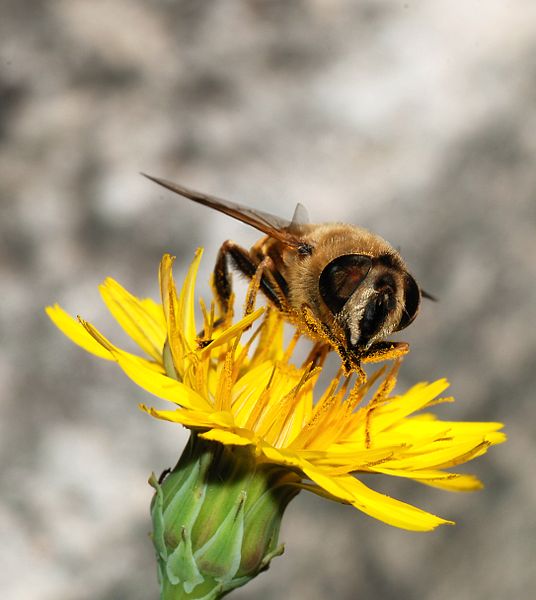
{"x":351,"y":363}
{"x":381,"y":351}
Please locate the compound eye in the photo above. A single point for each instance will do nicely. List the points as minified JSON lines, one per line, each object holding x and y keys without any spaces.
{"x":341,"y":277}
{"x":412,"y":299}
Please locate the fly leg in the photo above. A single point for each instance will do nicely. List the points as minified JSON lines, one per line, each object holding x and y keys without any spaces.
{"x":221,"y":279}
{"x":265,"y":281}
{"x":258,"y":272}
{"x":351,"y":363}
{"x":385,"y":351}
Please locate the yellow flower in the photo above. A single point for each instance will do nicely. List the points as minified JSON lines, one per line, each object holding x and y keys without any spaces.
{"x":245,"y":391}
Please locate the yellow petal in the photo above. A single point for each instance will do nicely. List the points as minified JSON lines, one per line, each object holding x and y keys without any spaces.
{"x":156,"y":311}
{"x":441,"y":455}
{"x":165,"y":276}
{"x":232,"y":332}
{"x":461,"y":483}
{"x":193,"y":419}
{"x":227,"y":437}
{"x":282,"y":456}
{"x":147,"y":378}
{"x":416,"y":398}
{"x":386,"y":509}
{"x":132,"y":315}
{"x":76,"y":332}
{"x":186,"y":308}
{"x":436,"y":478}
{"x":270,"y":346}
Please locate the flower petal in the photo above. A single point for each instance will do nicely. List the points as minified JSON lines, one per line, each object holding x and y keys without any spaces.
{"x":234,"y":331}
{"x":147,"y":378}
{"x":227,"y":437}
{"x":134,"y":318}
{"x":186,"y":308}
{"x":76,"y":332}
{"x":416,"y":398}
{"x":386,"y":509}
{"x":461,"y":483}
{"x":191,"y":418}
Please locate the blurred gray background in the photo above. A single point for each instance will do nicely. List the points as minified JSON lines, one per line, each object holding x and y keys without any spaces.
{"x":414,"y":119}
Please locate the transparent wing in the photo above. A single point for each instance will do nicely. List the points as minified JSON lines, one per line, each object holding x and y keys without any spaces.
{"x":271,"y":225}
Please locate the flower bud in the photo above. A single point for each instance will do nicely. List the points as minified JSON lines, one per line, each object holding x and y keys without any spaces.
{"x":216,"y":519}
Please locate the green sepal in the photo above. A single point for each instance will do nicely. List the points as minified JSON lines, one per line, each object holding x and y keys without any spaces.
{"x":181,"y":565}
{"x":185,"y":499}
{"x":221,"y":554}
{"x":157,"y":516}
{"x":216,"y":519}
